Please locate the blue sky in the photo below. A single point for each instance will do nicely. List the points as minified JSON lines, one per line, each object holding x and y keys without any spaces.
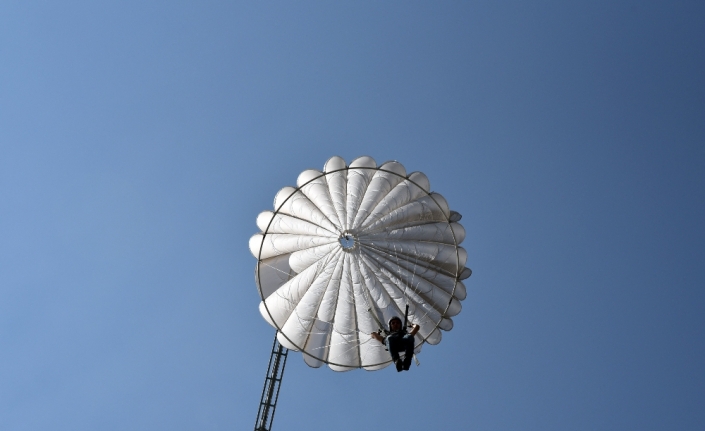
{"x":139,"y":141}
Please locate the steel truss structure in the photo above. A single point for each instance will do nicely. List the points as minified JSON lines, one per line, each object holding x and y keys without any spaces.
{"x":272,"y":384}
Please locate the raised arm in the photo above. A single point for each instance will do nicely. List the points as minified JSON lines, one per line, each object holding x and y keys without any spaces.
{"x":414,"y":330}
{"x":377,"y":337}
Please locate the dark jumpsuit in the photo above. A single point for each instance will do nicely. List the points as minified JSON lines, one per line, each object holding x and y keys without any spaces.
{"x":398,"y":342}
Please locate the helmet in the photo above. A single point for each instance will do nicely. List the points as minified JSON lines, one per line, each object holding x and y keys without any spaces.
{"x":389,"y":323}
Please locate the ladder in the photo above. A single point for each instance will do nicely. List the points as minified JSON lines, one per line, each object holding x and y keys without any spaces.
{"x":272,"y":384}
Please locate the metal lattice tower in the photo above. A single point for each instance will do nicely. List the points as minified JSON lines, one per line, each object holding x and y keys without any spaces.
{"x":272,"y":384}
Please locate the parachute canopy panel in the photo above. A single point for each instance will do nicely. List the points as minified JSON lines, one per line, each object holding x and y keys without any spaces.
{"x":350,"y":247}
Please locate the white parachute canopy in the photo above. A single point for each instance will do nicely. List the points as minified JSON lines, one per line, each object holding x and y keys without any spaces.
{"x":349,"y":248}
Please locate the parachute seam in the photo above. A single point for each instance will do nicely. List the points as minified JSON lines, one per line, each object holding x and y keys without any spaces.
{"x":332,"y":241}
{"x":302,"y":219}
{"x":362,"y":222}
{"x":371,"y":307}
{"x":354,"y":304}
{"x":341,"y":225}
{"x":406,"y":258}
{"x":335,"y":307}
{"x":355,"y":210}
{"x":357,"y":330}
{"x":402,"y":231}
{"x":421,"y":295}
{"x":393,"y":286}
{"x":401,"y":207}
{"x":383,"y":290}
{"x":327,"y":193}
{"x":315,"y":315}
{"x":429,"y":268}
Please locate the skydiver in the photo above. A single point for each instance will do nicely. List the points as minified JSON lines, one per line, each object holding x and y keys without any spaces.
{"x":397,"y":341}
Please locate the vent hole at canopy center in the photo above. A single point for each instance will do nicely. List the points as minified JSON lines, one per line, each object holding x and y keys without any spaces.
{"x":347,"y":241}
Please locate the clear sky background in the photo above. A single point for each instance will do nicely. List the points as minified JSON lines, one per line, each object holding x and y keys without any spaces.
{"x":139,"y":141}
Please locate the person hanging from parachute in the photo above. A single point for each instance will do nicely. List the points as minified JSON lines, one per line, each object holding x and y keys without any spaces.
{"x":398,"y":341}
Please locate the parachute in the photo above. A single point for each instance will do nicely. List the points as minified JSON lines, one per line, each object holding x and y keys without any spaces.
{"x":349,"y":248}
